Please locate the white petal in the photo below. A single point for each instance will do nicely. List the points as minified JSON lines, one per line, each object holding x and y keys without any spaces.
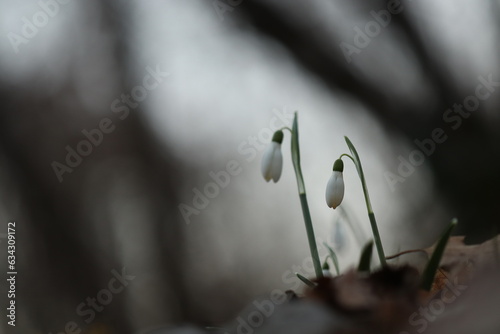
{"x":277,"y":165}
{"x":335,"y":190}
{"x":267,"y":160}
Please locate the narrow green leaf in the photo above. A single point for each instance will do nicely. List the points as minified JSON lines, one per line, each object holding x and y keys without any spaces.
{"x":371,"y":215}
{"x":295,"y":141}
{"x":303,"y":199}
{"x":366,"y":257}
{"x":305,"y":280}
{"x":359,"y":168}
{"x":334,"y":258}
{"x":355,"y":156}
{"x":433,"y":264}
{"x":296,"y":154}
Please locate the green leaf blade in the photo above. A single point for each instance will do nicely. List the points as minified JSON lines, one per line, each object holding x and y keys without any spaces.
{"x":295,"y":141}
{"x":355,"y":155}
{"x":334,"y":258}
{"x":296,"y":154}
{"x":366,"y":257}
{"x":305,"y":280}
{"x":433,"y":264}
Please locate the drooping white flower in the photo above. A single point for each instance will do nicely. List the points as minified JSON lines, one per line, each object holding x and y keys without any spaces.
{"x":326,"y":269}
{"x":272,"y":161}
{"x":327,"y":273}
{"x":335,"y":187}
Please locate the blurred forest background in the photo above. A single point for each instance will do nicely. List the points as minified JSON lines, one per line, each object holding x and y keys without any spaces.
{"x":224,"y":72}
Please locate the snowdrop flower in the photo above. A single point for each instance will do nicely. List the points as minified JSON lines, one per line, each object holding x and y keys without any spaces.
{"x":326,"y":269}
{"x":335,"y":187}
{"x":272,"y":161}
{"x":327,"y":273}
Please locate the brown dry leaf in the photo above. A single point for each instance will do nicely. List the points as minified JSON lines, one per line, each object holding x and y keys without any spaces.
{"x":386,"y":300}
{"x":463,"y":260}
{"x":382,"y":301}
{"x":439,"y":281}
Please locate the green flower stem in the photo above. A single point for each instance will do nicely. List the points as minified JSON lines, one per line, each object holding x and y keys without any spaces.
{"x":376,"y":237}
{"x":371,"y":215}
{"x":303,"y":199}
{"x":350,"y":157}
{"x":333,"y":256}
{"x":363,"y":183}
{"x":310,"y":235}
